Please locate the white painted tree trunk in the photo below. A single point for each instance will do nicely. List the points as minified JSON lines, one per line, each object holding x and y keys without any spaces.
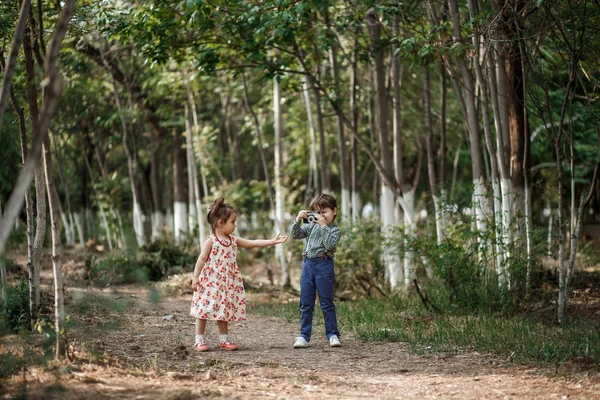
{"x":69,"y":234}
{"x":106,"y":228}
{"x":410,"y":231}
{"x":180,"y":226}
{"x":506,"y":233}
{"x":390,"y":254}
{"x":138,"y":224}
{"x":79,"y":226}
{"x":169,"y":220}
{"x":157,"y":224}
{"x":279,"y":195}
{"x":356,"y":207}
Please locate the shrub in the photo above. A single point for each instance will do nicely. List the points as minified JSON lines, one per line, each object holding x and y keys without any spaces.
{"x":120,"y":267}
{"x":359,"y":270}
{"x":15,"y":311}
{"x":153,"y":262}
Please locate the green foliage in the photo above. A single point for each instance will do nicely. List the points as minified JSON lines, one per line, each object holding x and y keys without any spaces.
{"x":463,"y":282}
{"x":119,"y":267}
{"x":17,"y":237}
{"x":152,"y":263}
{"x":14,"y":313}
{"x":359,"y":271}
{"x":163,"y":255}
{"x":95,"y":304}
{"x":402,"y":319}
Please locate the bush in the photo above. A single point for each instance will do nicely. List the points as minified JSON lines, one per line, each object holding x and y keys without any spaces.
{"x":15,"y":312}
{"x":121,"y":267}
{"x":463,"y":281}
{"x":359,"y":270}
{"x":155,"y":261}
{"x":163,"y":255}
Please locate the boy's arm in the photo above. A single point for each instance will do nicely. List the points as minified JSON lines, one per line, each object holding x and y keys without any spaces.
{"x":330,"y":236}
{"x":299,"y":231}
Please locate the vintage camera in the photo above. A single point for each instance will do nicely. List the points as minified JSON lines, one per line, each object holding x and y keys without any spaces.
{"x":312,"y":216}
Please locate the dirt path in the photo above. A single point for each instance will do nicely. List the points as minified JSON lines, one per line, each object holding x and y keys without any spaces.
{"x":142,"y":355}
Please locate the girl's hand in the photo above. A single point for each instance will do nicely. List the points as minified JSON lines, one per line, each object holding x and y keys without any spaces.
{"x":280,"y":239}
{"x":195,"y":284}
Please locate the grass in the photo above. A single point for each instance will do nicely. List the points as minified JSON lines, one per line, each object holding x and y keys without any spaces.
{"x":512,"y":336}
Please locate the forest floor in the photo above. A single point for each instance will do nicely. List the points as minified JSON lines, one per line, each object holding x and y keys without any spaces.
{"x":145,"y":352}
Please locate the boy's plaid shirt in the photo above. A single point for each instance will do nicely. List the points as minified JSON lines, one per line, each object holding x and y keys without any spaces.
{"x":320,"y":241}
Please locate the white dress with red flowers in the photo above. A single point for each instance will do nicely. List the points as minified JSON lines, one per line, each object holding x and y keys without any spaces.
{"x":221,"y":294}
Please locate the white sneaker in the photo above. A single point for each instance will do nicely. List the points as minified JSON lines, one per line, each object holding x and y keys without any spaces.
{"x":300,"y":343}
{"x":334,"y":341}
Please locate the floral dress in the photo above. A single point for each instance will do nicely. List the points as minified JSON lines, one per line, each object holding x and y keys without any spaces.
{"x":221,"y":294}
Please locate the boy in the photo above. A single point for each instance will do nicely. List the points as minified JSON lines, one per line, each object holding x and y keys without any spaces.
{"x":322,"y":237}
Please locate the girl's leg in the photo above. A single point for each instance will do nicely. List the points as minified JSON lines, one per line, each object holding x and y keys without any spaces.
{"x":222,"y":325}
{"x":200,"y":326}
{"x":226,"y":344}
{"x":199,"y":343}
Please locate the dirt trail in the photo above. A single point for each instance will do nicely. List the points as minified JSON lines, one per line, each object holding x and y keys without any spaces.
{"x":149,"y":357}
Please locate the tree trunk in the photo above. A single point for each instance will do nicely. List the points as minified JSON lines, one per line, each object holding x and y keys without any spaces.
{"x":59,"y":306}
{"x":28,"y":204}
{"x":40,"y":189}
{"x":279,"y":195}
{"x":155,"y":189}
{"x":190,"y":162}
{"x":431,"y":171}
{"x":325,"y":184}
{"x":344,"y":169}
{"x":192,"y":99}
{"x":198,"y":196}
{"x":179,"y":207}
{"x":354,"y":151}
{"x":479,"y":188}
{"x":138,"y":225}
{"x":390,"y":255}
{"x":66,"y":216}
{"x":563,"y":293}
{"x":193,"y":185}
{"x":313,"y":177}
{"x":9,"y":67}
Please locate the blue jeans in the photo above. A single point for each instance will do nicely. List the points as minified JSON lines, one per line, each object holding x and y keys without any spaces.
{"x":317,"y":276}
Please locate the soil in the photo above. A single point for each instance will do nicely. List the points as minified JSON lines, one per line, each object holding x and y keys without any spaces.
{"x":146,"y":352}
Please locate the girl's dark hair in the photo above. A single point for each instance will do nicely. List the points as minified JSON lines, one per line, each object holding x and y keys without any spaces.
{"x":219,"y":211}
{"x":323,"y":201}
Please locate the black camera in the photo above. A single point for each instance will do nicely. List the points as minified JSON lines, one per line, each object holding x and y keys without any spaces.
{"x":312,"y":216}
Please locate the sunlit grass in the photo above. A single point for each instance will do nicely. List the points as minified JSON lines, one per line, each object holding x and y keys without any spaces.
{"x":515,"y":337}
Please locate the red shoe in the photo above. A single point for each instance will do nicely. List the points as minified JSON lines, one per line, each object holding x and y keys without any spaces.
{"x":201,"y":346}
{"x":228,"y":346}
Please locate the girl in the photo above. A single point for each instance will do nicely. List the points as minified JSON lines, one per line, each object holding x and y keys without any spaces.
{"x":217,"y":282}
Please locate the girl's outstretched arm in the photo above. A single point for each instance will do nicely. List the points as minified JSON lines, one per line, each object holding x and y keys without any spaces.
{"x":246,"y":243}
{"x":204,"y":254}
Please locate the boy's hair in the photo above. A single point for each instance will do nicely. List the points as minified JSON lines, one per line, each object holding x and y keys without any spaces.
{"x":323,"y":201}
{"x":219,"y":211}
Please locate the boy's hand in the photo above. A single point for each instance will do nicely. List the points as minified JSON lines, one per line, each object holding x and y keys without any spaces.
{"x":301,"y":215}
{"x":319,"y":219}
{"x":280,"y":239}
